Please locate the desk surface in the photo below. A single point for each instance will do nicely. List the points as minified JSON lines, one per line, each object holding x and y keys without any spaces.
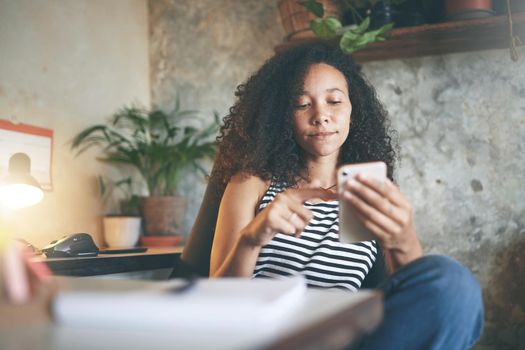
{"x":103,"y":264}
{"x":325,"y":319}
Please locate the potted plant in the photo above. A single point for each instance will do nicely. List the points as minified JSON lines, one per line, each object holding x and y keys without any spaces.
{"x":121,"y":227}
{"x":353,"y":38}
{"x":159,"y":146}
{"x":367,"y":21}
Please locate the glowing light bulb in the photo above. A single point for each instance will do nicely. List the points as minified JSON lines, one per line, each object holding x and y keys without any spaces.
{"x":18,"y":196}
{"x":19,"y":189}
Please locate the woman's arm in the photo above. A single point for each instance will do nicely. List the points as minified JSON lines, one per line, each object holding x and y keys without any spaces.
{"x":232,"y":254}
{"x":241,"y":231}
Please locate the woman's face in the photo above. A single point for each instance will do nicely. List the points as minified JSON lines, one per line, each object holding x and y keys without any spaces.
{"x":321,"y":118}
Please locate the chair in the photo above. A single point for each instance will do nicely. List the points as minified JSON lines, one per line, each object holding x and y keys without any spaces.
{"x":195,"y":259}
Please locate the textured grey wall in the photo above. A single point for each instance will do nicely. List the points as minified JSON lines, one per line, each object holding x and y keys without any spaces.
{"x":461,"y":125}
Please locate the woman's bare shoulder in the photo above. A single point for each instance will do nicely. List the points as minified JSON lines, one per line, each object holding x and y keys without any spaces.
{"x":247,"y":186}
{"x":248,"y":181}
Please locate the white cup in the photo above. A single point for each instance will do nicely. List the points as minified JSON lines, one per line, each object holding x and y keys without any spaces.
{"x":121,"y":231}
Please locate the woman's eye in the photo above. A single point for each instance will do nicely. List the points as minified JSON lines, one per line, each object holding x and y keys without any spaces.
{"x":302,"y":105}
{"x":334,"y":102}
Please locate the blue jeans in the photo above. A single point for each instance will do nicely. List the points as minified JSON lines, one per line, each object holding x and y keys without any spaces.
{"x":432,"y":303}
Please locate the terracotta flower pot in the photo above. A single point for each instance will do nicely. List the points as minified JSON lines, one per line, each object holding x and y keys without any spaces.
{"x":163,"y":215}
{"x":296,"y":18}
{"x":462,"y":9}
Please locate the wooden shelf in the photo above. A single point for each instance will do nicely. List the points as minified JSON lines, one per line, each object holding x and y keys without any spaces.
{"x":436,"y":39}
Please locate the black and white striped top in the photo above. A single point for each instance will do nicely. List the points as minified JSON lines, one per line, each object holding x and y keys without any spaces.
{"x":317,"y":253}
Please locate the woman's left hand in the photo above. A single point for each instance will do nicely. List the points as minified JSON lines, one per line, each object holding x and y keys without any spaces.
{"x":386,"y":212}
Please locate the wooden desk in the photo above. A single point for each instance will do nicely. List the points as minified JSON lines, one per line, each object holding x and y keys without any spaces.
{"x":103,"y":264}
{"x":325,"y":319}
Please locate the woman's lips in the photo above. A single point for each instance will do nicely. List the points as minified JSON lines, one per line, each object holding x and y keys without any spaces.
{"x":323,"y":135}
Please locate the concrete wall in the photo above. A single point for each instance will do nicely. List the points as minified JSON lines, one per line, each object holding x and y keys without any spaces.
{"x":66,"y":65}
{"x":461,"y":124}
{"x":200,"y":50}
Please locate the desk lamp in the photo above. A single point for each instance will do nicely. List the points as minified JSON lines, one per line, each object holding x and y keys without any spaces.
{"x":19,"y":189}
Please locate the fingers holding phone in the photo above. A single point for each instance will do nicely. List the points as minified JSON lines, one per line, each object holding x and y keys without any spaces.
{"x":353,"y":207}
{"x":381,"y":210}
{"x":371,"y":203}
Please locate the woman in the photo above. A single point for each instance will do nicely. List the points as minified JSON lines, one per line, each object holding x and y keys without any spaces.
{"x":306,"y":112}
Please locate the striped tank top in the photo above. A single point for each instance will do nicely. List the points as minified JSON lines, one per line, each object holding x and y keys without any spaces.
{"x":316,"y":253}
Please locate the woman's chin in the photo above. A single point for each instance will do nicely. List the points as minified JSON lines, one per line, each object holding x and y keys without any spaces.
{"x":323,"y":152}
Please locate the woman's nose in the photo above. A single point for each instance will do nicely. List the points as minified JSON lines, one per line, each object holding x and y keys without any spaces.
{"x":320,"y":115}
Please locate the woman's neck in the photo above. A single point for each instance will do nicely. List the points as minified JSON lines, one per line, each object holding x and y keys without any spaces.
{"x":323,"y":170}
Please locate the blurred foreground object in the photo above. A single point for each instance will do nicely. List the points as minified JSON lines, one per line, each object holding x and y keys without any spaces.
{"x":25,"y":287}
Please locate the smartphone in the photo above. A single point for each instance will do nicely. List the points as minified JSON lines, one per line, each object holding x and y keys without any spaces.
{"x":351,"y":229}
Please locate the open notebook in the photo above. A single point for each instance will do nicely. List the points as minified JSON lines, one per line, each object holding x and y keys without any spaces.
{"x":218,"y":304}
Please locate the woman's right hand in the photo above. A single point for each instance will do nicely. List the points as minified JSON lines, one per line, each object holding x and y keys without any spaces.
{"x":241,"y":230}
{"x":285,"y":214}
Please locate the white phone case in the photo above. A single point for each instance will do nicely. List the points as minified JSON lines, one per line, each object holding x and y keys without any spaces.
{"x":351,"y":229}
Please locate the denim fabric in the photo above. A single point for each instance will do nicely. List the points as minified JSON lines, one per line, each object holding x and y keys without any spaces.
{"x":432,"y":303}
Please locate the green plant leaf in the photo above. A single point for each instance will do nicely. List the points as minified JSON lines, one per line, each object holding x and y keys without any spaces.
{"x":325,"y":28}
{"x":314,"y":7}
{"x":385,"y":29}
{"x":351,"y":43}
{"x":131,"y":207}
{"x":102,"y":188}
{"x":353,"y":40}
{"x":128,"y":203}
{"x":87,"y":136}
{"x":363,"y":26}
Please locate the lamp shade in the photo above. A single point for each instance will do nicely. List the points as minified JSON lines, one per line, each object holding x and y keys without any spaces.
{"x":19,"y":189}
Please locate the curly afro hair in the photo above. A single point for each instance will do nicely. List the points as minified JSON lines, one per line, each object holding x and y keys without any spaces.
{"x":257,"y":135}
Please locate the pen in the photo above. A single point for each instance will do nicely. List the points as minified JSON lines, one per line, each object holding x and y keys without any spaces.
{"x":190,"y":283}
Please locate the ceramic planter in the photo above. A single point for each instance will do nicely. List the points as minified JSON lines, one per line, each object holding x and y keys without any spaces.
{"x":121,"y":231}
